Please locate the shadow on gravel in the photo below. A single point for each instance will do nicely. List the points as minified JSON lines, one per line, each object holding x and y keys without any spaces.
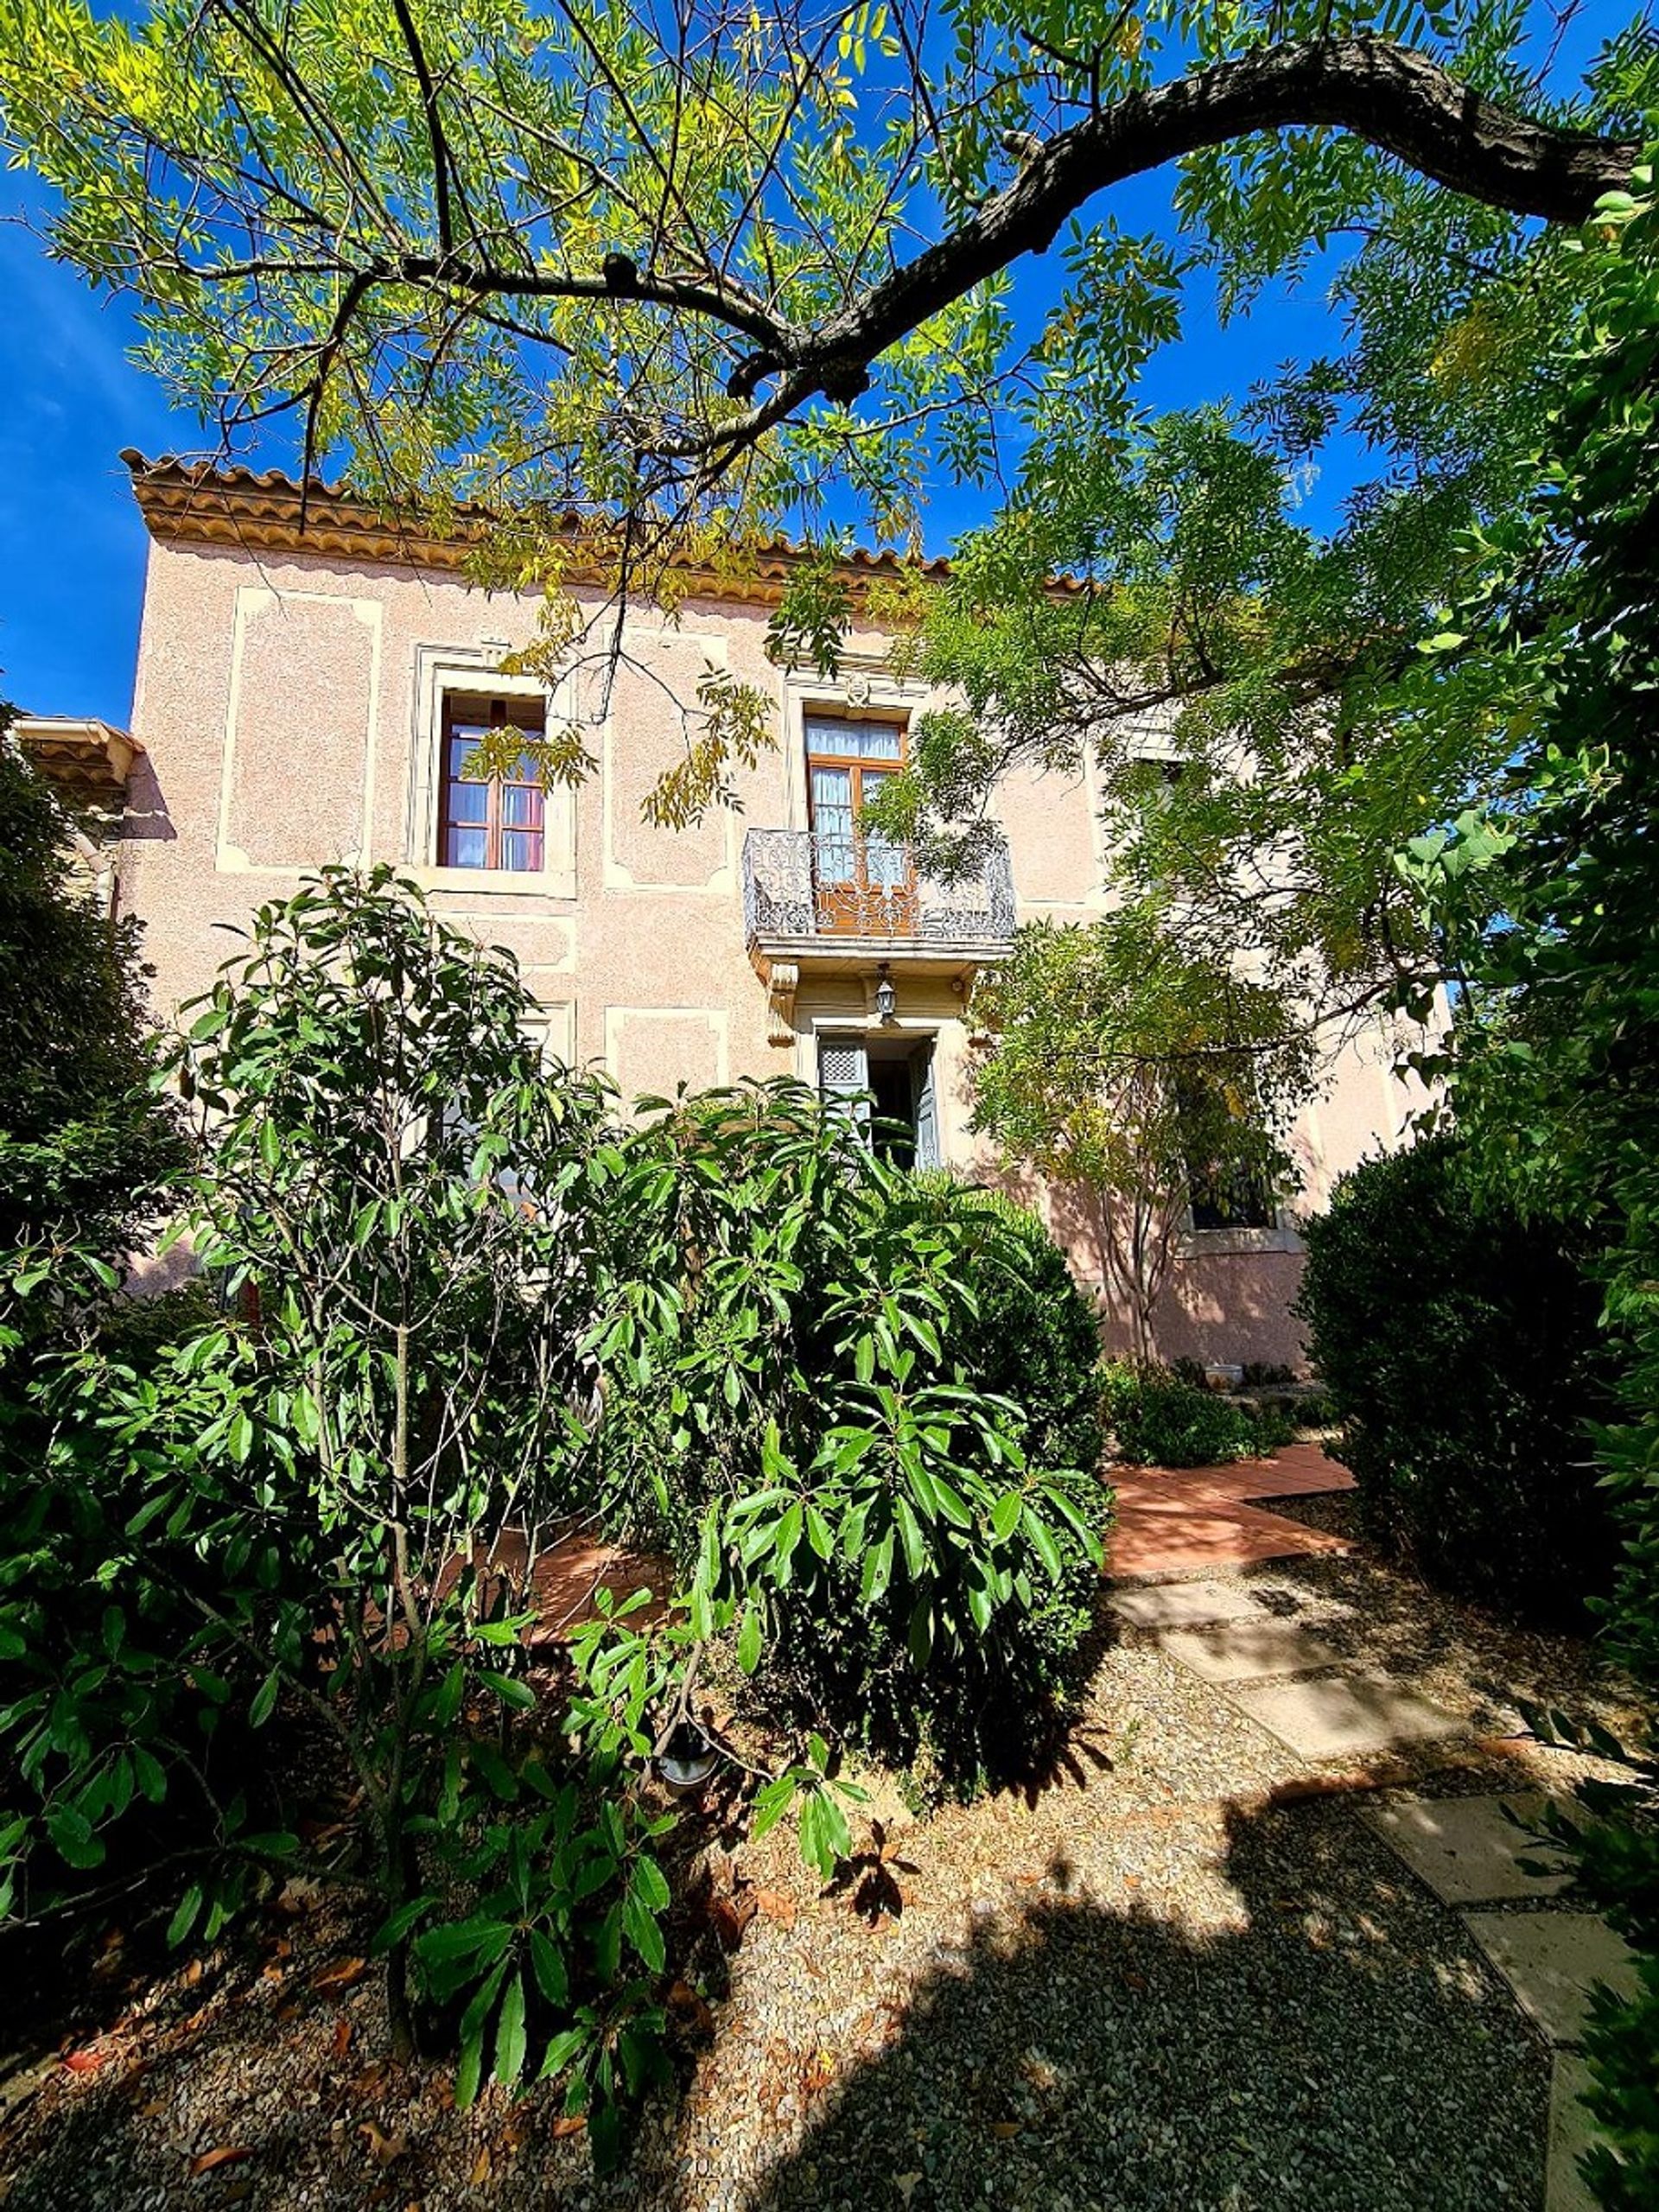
{"x":1345,"y":2051}
{"x":1340,"y":2048}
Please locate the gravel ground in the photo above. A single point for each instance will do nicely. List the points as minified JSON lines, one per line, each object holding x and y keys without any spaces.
{"x":1147,"y":1984}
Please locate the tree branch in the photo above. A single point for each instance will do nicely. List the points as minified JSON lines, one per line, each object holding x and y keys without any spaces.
{"x":1400,"y":101}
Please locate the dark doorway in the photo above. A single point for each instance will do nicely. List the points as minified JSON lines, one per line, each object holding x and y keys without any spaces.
{"x":892,"y":1131}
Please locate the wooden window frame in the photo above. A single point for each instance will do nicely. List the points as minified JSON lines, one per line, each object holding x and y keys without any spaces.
{"x":818,"y":758}
{"x":856,"y":906}
{"x":494,"y":825}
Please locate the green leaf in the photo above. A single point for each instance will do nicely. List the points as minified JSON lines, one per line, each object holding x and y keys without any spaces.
{"x":650,"y":1885}
{"x":509,"y":2040}
{"x":1042,"y":1543}
{"x":265,"y":1701}
{"x":749,"y":1640}
{"x":73,"y":1840}
{"x":548,"y":1965}
{"x":511,"y":1691}
{"x":396,"y":1925}
{"x":184,"y":1914}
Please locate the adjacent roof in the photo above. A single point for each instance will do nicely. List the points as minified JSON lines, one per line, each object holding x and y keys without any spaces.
{"x":85,"y":758}
{"x":199,"y":503}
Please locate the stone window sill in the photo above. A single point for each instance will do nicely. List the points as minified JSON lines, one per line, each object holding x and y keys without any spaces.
{"x":1218,"y":1244}
{"x":551,"y":883}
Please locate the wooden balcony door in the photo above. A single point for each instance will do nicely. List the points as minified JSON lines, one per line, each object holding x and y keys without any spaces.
{"x":862,"y":886}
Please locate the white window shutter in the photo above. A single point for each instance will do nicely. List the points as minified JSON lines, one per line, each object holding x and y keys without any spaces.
{"x":928,"y":1151}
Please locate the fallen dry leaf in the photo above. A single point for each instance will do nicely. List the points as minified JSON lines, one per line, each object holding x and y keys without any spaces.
{"x":384,"y":2149}
{"x":342,"y":2037}
{"x":227,"y":2154}
{"x":776,"y":1906}
{"x":690,"y":2009}
{"x":84,"y":2061}
{"x":730,"y":1917}
{"x":480,"y":2172}
{"x":906,"y":2186}
{"x":570,"y":2123}
{"x":1003,"y":2129}
{"x":345,"y":1973}
{"x":192,"y":1974}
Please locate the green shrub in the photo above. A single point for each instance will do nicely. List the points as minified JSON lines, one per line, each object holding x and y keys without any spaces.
{"x":326,"y":1521}
{"x":1034,"y":1335}
{"x":1459,"y":1347}
{"x":804,"y":1404}
{"x":1161,"y":1420}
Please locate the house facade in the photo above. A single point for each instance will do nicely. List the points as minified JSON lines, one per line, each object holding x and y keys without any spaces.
{"x":308,"y":685}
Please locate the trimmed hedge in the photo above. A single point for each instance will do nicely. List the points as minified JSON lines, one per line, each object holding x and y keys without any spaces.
{"x":1459,"y":1347}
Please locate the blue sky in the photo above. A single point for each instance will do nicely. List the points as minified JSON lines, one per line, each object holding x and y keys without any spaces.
{"x":71,"y":546}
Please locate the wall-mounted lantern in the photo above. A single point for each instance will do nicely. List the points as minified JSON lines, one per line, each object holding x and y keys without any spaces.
{"x":886,"y":999}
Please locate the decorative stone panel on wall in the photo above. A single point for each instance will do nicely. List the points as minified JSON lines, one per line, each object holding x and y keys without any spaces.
{"x":644,"y":735}
{"x":298,"y":764}
{"x":654,"y":1049}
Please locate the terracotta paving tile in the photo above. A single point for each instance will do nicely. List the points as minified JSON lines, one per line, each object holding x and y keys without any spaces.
{"x":569,"y":1573}
{"x":1195,"y":1520}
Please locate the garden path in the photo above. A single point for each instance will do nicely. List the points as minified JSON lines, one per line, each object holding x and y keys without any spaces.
{"x":1477,"y":1854}
{"x":1201,"y":1520}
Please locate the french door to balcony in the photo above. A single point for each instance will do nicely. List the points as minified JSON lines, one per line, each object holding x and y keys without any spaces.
{"x":862,"y":885}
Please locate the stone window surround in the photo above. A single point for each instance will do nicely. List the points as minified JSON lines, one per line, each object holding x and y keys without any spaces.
{"x":439,"y":671}
{"x":861,"y":686}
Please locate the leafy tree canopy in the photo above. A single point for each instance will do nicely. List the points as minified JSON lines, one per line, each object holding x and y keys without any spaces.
{"x":1132,"y":1070}
{"x":700,"y":269}
{"x":83,"y":1142}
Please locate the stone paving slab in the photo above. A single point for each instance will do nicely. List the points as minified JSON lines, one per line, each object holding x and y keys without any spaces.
{"x":1550,"y":1960}
{"x":1467,"y":1849}
{"x":1333,"y":1718}
{"x":1186,"y":1604}
{"x":1245,"y":1651}
{"x":1571,"y":2131}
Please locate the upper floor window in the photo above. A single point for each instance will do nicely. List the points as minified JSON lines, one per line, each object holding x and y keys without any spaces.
{"x":498,"y":821}
{"x":862,"y":883}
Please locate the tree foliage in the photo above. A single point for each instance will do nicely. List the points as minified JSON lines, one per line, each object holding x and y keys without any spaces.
{"x":1125,"y":1069}
{"x":807,"y":1407}
{"x":290,"y":1558}
{"x":84,"y":1145}
{"x":697,"y":272}
{"x":1554,"y":1062}
{"x":1460,"y":1343}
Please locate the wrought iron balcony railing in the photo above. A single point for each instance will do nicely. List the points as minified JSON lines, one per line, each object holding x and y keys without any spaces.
{"x":800,"y":885}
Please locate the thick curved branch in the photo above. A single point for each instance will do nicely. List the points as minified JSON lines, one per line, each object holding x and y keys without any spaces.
{"x":1401,"y":101}
{"x":707,"y":296}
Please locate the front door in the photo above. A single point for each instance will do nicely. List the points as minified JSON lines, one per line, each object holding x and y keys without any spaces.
{"x":862,"y":886}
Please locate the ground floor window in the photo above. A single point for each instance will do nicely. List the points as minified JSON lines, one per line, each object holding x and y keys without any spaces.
{"x":890,"y":1082}
{"x":1226,"y":1192}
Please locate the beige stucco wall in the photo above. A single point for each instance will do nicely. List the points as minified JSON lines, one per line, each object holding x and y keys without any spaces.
{"x":286,"y":707}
